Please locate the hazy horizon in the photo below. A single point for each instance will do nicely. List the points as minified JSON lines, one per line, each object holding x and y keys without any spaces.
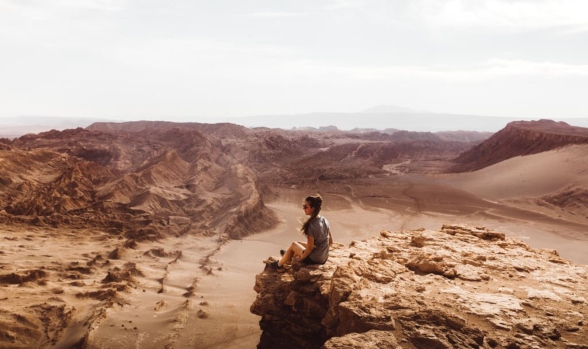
{"x":381,"y":118}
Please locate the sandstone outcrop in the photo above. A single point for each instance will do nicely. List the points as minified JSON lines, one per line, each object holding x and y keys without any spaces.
{"x":459,"y":287}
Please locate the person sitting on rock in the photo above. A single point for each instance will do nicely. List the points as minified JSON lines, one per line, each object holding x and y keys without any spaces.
{"x":318,"y":237}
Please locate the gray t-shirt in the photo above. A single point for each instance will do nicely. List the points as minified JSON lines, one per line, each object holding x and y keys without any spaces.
{"x":319,"y":230}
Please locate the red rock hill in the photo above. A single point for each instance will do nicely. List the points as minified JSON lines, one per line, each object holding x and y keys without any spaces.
{"x":520,"y":138}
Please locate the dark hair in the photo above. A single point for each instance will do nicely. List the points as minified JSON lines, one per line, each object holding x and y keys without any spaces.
{"x":315,"y":202}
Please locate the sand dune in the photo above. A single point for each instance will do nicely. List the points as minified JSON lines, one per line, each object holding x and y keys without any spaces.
{"x":528,"y":176}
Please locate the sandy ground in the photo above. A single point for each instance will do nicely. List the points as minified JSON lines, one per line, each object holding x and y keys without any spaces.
{"x":231,"y":290}
{"x":241,"y":260}
{"x":191,"y":293}
{"x":478,"y":199}
{"x":157,"y":312}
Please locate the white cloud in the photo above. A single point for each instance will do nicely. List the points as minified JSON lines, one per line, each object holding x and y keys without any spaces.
{"x":57,"y":22}
{"x":503,"y":67}
{"x":58,"y":9}
{"x":346,"y":4}
{"x":512,"y":15}
{"x":488,"y":70}
{"x":79,"y":55}
{"x":272,"y":14}
{"x":197,"y":56}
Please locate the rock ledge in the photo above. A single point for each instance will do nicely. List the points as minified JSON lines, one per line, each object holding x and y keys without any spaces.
{"x":455,"y":288}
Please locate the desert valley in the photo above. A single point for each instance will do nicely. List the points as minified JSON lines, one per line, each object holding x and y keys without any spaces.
{"x":153,"y":234}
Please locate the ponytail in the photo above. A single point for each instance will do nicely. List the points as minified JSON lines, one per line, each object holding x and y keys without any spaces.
{"x":315,"y":202}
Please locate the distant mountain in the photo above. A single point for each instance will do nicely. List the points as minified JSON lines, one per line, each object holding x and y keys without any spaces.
{"x":224,"y":130}
{"x":13,"y":127}
{"x":379,"y":119}
{"x":385,"y":118}
{"x":518,"y":139}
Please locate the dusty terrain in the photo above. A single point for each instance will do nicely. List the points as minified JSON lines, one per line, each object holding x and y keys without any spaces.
{"x":151,"y":234}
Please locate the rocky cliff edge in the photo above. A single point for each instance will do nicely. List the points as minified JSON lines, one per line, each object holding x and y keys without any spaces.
{"x":459,"y":287}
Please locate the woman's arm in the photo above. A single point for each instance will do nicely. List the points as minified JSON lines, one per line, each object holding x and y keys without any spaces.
{"x":309,"y":247}
{"x":330,"y":238}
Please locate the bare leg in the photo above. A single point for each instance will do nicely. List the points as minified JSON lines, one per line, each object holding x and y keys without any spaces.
{"x":295,"y":249}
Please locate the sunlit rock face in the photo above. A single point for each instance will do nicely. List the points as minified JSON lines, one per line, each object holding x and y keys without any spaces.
{"x":460,"y":287}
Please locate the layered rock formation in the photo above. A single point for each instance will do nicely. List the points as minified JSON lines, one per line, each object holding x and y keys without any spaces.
{"x":134,"y":176}
{"x":454,"y":288}
{"x":128,"y":176}
{"x":520,"y":138}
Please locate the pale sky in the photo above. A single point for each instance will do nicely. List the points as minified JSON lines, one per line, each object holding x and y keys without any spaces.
{"x":185,"y":60}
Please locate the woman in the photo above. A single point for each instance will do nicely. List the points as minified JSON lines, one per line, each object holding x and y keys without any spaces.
{"x":318,"y":237}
